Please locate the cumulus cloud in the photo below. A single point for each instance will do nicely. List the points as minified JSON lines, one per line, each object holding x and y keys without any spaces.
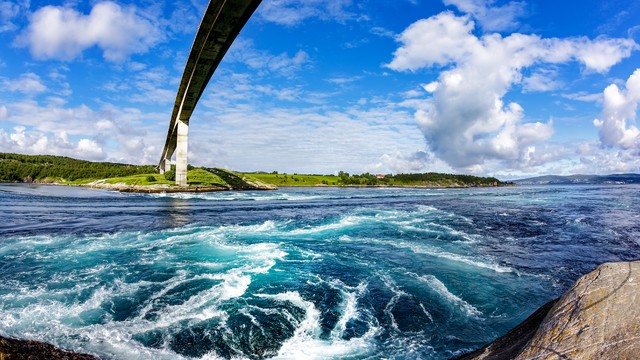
{"x":490,"y":17}
{"x":29,"y":84}
{"x":63,"y":33}
{"x":616,"y":126}
{"x":294,"y":12}
{"x":467,"y":122}
{"x":26,"y":141}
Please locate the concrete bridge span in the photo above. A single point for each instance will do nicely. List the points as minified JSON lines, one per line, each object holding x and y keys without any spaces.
{"x":221,"y":23}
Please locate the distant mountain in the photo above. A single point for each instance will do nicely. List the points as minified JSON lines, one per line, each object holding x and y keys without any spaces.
{"x":581,"y":179}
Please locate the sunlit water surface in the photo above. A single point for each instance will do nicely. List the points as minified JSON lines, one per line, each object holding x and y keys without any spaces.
{"x":297,"y":273}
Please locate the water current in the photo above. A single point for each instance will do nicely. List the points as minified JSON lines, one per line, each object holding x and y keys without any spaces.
{"x":298,"y":273}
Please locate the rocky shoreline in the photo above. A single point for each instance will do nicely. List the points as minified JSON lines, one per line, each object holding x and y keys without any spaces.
{"x":34,"y":350}
{"x":153,"y":189}
{"x":598,"y":318}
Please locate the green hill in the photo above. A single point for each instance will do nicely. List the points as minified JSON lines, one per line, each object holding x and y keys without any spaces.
{"x":345,"y":179}
{"x":68,"y":171}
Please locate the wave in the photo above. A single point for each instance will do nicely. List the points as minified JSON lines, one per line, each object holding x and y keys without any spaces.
{"x":241,"y":196}
{"x":101,"y":292}
{"x":435,"y":252}
{"x":441,"y":289}
{"x":306,"y":342}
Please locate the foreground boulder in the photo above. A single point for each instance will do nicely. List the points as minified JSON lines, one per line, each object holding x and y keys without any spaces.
{"x":11,"y":349}
{"x":598,"y":318}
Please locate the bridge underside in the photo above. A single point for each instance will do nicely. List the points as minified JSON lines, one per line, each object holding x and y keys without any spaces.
{"x":220,"y":25}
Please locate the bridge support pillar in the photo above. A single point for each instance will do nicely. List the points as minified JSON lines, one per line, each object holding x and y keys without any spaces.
{"x":181,"y":153}
{"x":165,"y":166}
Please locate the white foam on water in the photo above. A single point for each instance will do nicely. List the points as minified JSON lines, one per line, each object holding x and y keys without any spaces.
{"x":428,"y":314}
{"x":397,"y":294}
{"x":306,"y":343}
{"x":22,"y":312}
{"x":349,"y":310}
{"x":432,"y":251}
{"x":439,"y":287}
{"x":345,"y":222}
{"x":241,"y":196}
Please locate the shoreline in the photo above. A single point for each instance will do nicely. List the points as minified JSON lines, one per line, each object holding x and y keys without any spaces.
{"x":146,"y":189}
{"x":159,"y":189}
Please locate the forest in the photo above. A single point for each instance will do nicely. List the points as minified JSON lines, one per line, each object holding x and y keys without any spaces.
{"x":43,"y":168}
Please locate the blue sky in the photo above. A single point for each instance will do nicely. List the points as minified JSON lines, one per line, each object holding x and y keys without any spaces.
{"x":498,"y":88}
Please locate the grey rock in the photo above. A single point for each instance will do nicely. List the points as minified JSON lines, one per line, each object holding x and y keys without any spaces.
{"x":598,"y":318}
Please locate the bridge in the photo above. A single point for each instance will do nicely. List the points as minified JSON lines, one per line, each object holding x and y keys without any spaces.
{"x":221,"y":23}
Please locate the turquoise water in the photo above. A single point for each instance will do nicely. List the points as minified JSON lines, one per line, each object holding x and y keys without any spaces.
{"x":314,"y":273}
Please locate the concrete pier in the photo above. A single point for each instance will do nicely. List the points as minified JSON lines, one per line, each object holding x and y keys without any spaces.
{"x":181,"y":153}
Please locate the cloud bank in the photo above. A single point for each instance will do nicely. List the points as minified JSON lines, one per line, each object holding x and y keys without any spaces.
{"x":467,"y":122}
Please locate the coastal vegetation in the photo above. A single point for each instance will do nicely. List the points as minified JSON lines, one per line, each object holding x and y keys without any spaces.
{"x":47,"y":168}
{"x":64,"y":170}
{"x":68,"y":171}
{"x":345,"y":179}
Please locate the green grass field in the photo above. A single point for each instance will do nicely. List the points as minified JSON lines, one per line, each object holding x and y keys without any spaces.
{"x":294,"y":179}
{"x":196,"y":177}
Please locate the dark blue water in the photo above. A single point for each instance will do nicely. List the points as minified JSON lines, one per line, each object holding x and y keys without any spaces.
{"x":297,"y":273}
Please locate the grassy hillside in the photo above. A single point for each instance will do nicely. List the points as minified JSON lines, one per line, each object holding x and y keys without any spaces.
{"x":344,"y":179}
{"x":195,"y":177}
{"x":64,"y":170}
{"x":295,"y":179}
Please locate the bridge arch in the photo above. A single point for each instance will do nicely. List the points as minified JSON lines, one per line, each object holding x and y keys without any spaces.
{"x":221,"y":24}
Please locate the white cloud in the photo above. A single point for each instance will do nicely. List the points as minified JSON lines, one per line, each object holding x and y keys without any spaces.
{"x":541,"y":81}
{"x":90,"y":150}
{"x":29,"y":84}
{"x":593,"y":159}
{"x":440,"y":39}
{"x":601,"y":54}
{"x":382,"y":32}
{"x":33,"y":142}
{"x":8,"y":11}
{"x":112,"y":133}
{"x":490,"y":17}
{"x":343,"y":80}
{"x":466,"y":123}
{"x":619,"y":113}
{"x":584,"y":96}
{"x":244,"y":51}
{"x":64,"y":33}
{"x":419,"y":161}
{"x":257,"y":134}
{"x":4,"y":113}
{"x":294,"y":12}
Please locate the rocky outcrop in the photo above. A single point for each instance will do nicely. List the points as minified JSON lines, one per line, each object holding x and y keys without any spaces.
{"x":11,"y":349}
{"x":598,"y":318}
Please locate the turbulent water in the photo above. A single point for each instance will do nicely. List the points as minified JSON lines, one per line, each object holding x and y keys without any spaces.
{"x":322,"y":273}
